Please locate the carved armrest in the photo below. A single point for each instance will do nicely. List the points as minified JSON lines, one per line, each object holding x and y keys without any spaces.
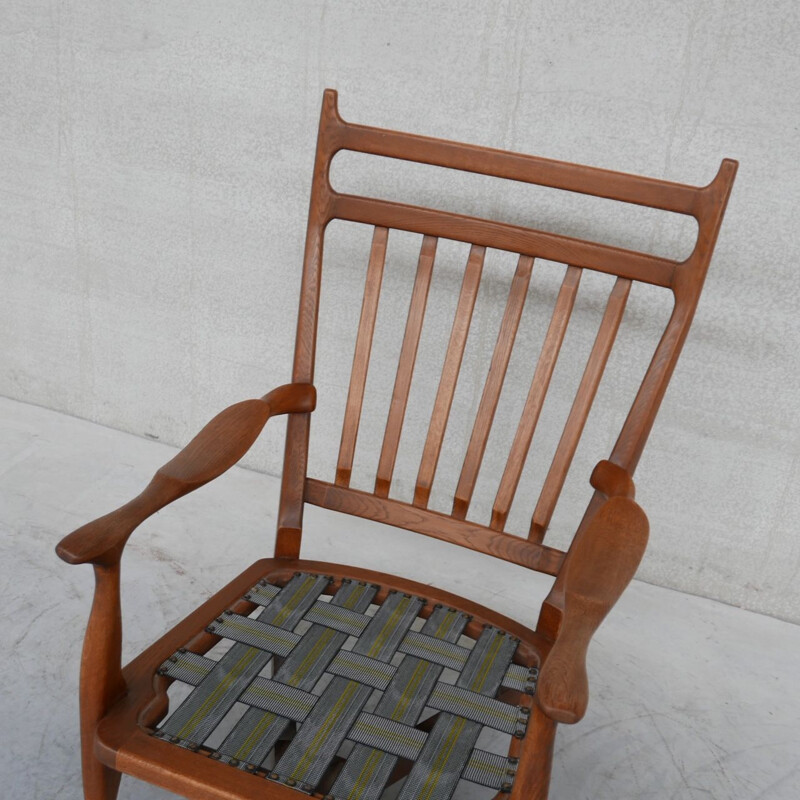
{"x":218,"y":446}
{"x":600,"y":563}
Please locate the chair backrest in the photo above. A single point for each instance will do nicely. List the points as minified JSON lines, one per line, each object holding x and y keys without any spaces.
{"x":684,"y":279}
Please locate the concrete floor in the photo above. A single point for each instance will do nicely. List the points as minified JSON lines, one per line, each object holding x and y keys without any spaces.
{"x":691,"y":699}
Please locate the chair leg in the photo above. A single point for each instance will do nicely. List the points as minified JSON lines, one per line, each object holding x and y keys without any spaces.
{"x":533,"y":777}
{"x":101,"y":680}
{"x":99,"y":782}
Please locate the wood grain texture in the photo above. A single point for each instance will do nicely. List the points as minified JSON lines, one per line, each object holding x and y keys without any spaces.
{"x":612,"y":480}
{"x":579,"y":412}
{"x":601,"y":562}
{"x":295,"y":459}
{"x":687,"y":285}
{"x":685,"y":279}
{"x":449,"y":377}
{"x":504,"y":236}
{"x":101,"y":680}
{"x":431,"y":523}
{"x":221,"y":443}
{"x":358,"y":375}
{"x":540,"y":383}
{"x":405,"y":366}
{"x":492,"y":388}
{"x":535,"y":754}
{"x":625,"y":187}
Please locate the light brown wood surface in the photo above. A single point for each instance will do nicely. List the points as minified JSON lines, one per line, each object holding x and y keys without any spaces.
{"x":492,"y":387}
{"x":536,"y":397}
{"x":581,"y":406}
{"x":449,"y":377}
{"x":358,"y":377}
{"x":405,"y":367}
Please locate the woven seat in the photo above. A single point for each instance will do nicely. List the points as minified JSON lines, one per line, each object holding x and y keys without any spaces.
{"x":306,"y":694}
{"x":338,"y":683}
{"x":303,"y":676}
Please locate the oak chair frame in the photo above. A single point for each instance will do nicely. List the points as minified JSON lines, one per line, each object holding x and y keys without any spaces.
{"x":119,"y":705}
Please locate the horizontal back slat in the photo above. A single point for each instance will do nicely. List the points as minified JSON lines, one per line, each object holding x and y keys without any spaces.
{"x":503,"y":236}
{"x":439,"y":526}
{"x":579,"y":178}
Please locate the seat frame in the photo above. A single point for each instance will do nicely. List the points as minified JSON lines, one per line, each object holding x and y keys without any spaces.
{"x":120,"y":707}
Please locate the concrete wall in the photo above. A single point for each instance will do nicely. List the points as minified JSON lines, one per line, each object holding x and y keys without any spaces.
{"x":155,"y":161}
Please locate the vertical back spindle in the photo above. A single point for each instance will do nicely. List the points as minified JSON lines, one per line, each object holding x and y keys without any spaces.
{"x":493,"y":386}
{"x":405,"y":366}
{"x":358,"y":375}
{"x":581,"y":406}
{"x":540,"y":383}
{"x":450,"y":370}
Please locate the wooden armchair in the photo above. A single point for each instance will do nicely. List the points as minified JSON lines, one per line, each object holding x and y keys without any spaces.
{"x":339,"y":682}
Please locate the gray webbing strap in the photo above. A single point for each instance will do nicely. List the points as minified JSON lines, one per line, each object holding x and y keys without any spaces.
{"x":312,"y":749}
{"x":254,"y":736}
{"x":341,"y":619}
{"x":255,"y":633}
{"x":205,"y":707}
{"x":385,"y":734}
{"x":380,"y":737}
{"x":478,"y":707}
{"x":262,"y":593}
{"x":489,"y":769}
{"x":432,"y":649}
{"x":187,"y":667}
{"x":522,"y":679}
{"x":292,"y":602}
{"x":368,"y":768}
{"x":447,"y":750}
{"x":277,"y":697}
{"x":363,"y":669}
